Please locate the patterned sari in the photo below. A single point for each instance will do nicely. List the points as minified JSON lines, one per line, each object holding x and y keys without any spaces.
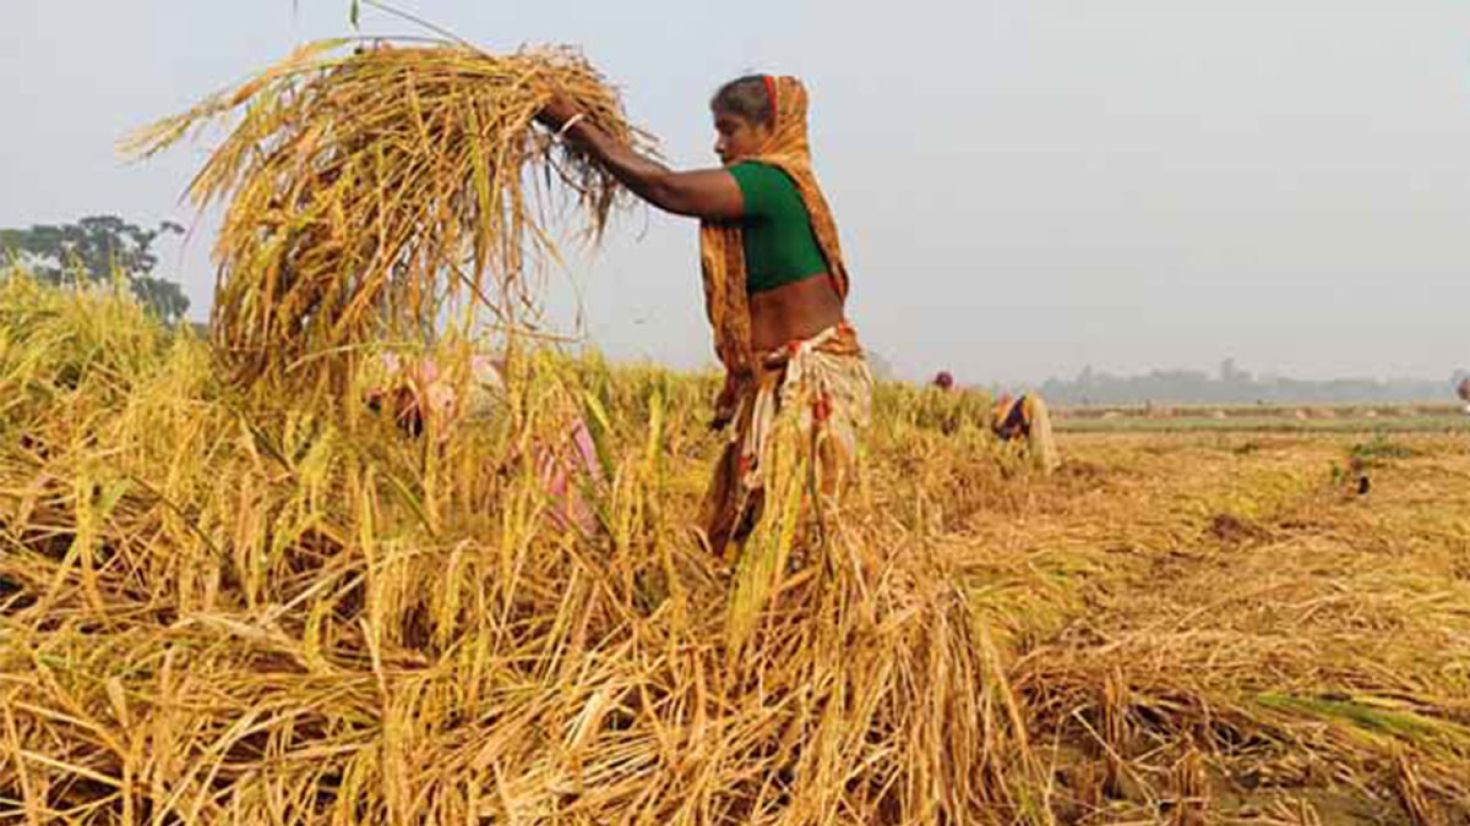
{"x":798,"y":423}
{"x":777,"y":490}
{"x":795,"y":411}
{"x":1027,"y":420}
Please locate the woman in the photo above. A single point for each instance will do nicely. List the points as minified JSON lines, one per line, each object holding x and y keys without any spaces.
{"x":418,"y":393}
{"x":1026,"y":419}
{"x":797,"y":387}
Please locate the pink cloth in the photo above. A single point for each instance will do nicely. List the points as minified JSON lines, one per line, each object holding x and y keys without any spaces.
{"x":417,"y":394}
{"x":558,"y":469}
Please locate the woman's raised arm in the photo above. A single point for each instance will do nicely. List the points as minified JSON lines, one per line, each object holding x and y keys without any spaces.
{"x":710,"y":194}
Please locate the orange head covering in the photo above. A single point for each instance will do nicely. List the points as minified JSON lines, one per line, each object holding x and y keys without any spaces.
{"x":722,"y":252}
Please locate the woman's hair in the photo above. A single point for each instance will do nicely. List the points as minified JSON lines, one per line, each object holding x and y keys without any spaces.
{"x":748,"y":97}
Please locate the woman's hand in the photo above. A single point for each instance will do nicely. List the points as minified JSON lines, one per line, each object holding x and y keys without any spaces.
{"x":556,"y":112}
{"x":709,"y":194}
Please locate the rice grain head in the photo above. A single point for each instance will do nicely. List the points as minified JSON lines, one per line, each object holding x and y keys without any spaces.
{"x":366,"y":187}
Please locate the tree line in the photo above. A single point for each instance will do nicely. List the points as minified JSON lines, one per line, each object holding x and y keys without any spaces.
{"x":1235,"y":386}
{"x":97,"y":249}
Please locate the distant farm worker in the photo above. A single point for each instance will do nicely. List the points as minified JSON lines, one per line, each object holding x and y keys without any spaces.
{"x":797,"y":387}
{"x":944,"y":381}
{"x":1463,"y":389}
{"x":417,"y":393}
{"x":1025,"y":419}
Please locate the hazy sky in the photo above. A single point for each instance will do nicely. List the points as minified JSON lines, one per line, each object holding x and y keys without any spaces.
{"x":1024,"y":187}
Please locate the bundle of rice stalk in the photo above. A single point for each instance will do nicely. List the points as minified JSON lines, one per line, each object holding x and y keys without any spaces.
{"x":367,"y":186}
{"x":218,"y":612}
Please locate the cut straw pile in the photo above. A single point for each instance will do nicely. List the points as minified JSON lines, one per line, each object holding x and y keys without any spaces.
{"x":218,"y":611}
{"x":367,"y":185}
{"x":226,"y":607}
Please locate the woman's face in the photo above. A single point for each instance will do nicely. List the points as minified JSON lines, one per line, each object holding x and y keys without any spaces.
{"x":737,"y":137}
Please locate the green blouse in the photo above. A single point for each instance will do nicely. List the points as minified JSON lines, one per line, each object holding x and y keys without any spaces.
{"x":779,"y":245}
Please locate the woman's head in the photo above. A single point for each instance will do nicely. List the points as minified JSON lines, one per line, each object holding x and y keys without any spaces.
{"x":745,"y":116}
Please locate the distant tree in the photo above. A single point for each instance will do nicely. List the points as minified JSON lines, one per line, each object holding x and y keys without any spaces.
{"x":95,"y":248}
{"x":1232,"y":385}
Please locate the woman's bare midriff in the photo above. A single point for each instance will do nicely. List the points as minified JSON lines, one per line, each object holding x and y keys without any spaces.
{"x":794,"y":311}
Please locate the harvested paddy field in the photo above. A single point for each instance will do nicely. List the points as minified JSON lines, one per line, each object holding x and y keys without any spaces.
{"x":1222,"y":628}
{"x":219,"y":607}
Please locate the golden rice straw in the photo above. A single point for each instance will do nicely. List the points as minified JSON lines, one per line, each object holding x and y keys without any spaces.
{"x":367,"y":186}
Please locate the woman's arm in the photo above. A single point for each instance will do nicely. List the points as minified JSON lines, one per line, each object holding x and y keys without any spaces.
{"x":704,"y":193}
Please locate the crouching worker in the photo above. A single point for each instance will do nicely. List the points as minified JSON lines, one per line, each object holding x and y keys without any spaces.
{"x":417,"y":394}
{"x":1024,"y":420}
